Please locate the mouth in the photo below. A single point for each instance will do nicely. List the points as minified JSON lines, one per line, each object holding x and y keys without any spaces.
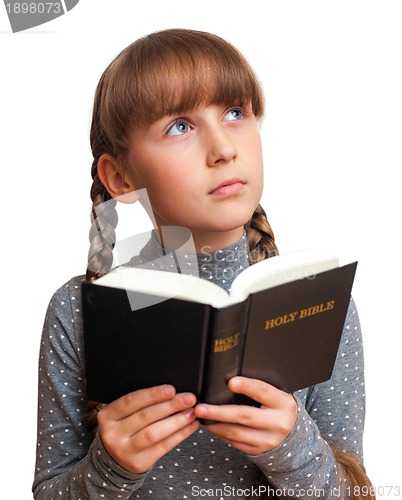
{"x":231,"y":186}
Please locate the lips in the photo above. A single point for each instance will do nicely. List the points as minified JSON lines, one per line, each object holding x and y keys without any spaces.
{"x":231,"y":186}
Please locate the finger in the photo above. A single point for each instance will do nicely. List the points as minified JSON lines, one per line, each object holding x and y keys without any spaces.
{"x":134,"y":401}
{"x":248,"y":440}
{"x":174,"y":439}
{"x":247,"y":416}
{"x":162,"y":429}
{"x":148,"y":415}
{"x":260,"y":391}
{"x":144,"y":461}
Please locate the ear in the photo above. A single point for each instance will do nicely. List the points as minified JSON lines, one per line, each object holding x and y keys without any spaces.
{"x":111,"y":175}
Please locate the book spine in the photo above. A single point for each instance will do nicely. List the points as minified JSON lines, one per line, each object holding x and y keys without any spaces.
{"x":224,"y":352}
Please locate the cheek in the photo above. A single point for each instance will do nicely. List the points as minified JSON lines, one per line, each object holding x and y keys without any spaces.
{"x":252,"y":143}
{"x":167,"y":189}
{"x":255,"y":158}
{"x":256,"y":168}
{"x":147,"y":172}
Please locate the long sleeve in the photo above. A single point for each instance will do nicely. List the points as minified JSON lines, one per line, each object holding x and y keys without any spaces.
{"x":69,"y":463}
{"x":331,"y":412}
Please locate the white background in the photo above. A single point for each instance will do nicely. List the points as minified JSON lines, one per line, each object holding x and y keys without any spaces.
{"x":332,"y":145}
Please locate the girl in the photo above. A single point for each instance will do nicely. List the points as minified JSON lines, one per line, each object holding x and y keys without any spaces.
{"x":177,"y":113}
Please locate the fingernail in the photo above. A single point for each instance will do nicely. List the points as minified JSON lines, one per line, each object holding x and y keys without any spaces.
{"x":167,"y":390}
{"x":188,"y":399}
{"x":189,"y":413}
{"x":235,"y":382}
{"x":202,"y":410}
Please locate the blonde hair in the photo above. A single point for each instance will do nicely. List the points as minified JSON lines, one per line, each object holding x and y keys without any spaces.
{"x":167,"y":72}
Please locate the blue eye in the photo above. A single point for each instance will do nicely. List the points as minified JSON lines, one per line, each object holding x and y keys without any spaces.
{"x":180,"y":127}
{"x":234,"y":114}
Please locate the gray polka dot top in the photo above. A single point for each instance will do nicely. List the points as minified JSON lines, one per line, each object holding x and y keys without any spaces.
{"x":71,"y":464}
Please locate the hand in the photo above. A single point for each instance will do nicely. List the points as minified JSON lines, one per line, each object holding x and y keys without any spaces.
{"x":249,"y":429}
{"x":141,"y":427}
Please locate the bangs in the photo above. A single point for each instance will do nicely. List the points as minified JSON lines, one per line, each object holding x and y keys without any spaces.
{"x":168,"y":73}
{"x":187,"y":70}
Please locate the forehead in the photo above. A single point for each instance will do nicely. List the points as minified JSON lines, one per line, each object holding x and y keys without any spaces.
{"x":178,"y":86}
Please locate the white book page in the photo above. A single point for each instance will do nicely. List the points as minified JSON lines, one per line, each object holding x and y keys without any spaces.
{"x":266,"y":274}
{"x":165,"y":284}
{"x":279,"y":270}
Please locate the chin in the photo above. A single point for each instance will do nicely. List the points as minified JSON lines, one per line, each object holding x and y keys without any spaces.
{"x":235,"y":218}
{"x":233,"y":221}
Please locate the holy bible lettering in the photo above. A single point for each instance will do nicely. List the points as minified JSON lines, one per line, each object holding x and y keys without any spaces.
{"x":221,"y":345}
{"x":303,"y":313}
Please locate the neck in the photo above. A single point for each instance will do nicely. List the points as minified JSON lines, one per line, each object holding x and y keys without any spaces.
{"x":199,"y":242}
{"x":219,"y":264}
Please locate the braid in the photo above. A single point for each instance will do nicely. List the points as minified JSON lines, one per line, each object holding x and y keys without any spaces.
{"x":260,"y":237}
{"x":102,"y":238}
{"x":360,"y":486}
{"x":104,"y":218}
{"x":91,"y":420}
{"x":102,"y":235}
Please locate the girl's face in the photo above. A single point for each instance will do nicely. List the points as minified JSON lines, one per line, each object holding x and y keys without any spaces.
{"x":202,"y":171}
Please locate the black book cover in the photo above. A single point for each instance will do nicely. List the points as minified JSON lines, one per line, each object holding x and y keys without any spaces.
{"x":127,"y":350}
{"x":287,"y":335}
{"x":294,"y":329}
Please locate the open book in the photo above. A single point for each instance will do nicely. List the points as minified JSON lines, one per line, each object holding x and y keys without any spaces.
{"x":281,"y":323}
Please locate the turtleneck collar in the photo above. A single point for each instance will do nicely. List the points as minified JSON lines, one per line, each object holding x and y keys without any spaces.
{"x":221,"y":266}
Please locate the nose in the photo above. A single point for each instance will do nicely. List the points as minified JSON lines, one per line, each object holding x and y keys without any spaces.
{"x":221,"y":147}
